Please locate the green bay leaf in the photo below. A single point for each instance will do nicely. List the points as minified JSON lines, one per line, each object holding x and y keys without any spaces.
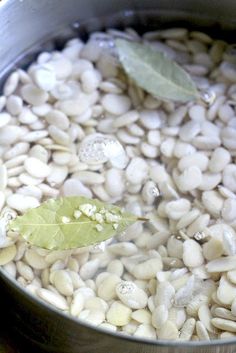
{"x":155,"y":72}
{"x":46,"y":226}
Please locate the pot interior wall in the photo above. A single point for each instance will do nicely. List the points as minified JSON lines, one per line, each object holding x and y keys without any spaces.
{"x":46,"y":25}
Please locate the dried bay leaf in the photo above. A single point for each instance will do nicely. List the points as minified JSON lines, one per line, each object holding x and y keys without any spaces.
{"x":53,"y":224}
{"x":155,"y":72}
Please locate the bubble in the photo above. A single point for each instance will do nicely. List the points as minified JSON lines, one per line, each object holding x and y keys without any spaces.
{"x":76,"y":25}
{"x":126,"y":288}
{"x":155,"y":191}
{"x":107,"y":44}
{"x":97,"y":248}
{"x":122,"y":234}
{"x":208,"y":97}
{"x":92,"y":149}
{"x":199,"y":236}
{"x":8,"y":214}
{"x":98,"y":149}
{"x":128,"y":13}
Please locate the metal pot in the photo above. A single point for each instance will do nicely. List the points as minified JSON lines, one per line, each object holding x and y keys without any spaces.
{"x":28,"y":26}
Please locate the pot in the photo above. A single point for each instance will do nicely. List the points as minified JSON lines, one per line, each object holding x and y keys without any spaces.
{"x":29,"y":26}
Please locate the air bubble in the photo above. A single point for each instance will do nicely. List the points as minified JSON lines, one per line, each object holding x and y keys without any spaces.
{"x":126,"y":288}
{"x":155,"y":191}
{"x":199,"y":236}
{"x":76,"y":25}
{"x":98,"y":248}
{"x":128,"y":13}
{"x":98,"y":149}
{"x":208,"y":97}
{"x":8,"y":214}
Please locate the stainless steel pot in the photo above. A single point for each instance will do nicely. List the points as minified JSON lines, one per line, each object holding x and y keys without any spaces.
{"x":28,"y":26}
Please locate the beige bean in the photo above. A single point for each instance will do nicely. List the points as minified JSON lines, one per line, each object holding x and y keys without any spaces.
{"x":7,"y":254}
{"x":63,"y":282}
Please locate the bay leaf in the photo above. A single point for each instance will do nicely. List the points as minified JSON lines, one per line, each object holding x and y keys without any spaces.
{"x":53,"y":224}
{"x":155,"y":72}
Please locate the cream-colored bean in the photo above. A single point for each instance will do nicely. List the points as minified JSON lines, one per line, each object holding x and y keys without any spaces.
{"x":225,"y":325}
{"x":35,"y":260}
{"x":192,"y":247}
{"x":63,"y":282}
{"x":142,"y":316}
{"x":89,"y":269}
{"x":168,"y":331}
{"x":7,"y":254}
{"x":52,"y":298}
{"x":118,"y":314}
{"x":77,"y":304}
{"x":145,"y":330}
{"x":164,"y":294}
{"x":159,"y":316}
{"x":107,"y":288}
{"x":187,"y":329}
{"x":177,"y":316}
{"x":116,"y":267}
{"x":94,"y":316}
{"x":131,"y":295}
{"x":25,"y":271}
{"x":147,"y":269}
{"x":96,"y":303}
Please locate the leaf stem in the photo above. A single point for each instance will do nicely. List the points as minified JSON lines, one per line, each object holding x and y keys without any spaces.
{"x":143,"y":219}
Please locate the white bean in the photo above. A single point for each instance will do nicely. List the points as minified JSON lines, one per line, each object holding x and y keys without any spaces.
{"x":52,"y":298}
{"x":107,"y":288}
{"x":14,"y":105}
{"x":192,"y":247}
{"x":219,"y":159}
{"x":114,"y":182}
{"x":229,"y":177}
{"x":44,"y":77}
{"x":150,"y":119}
{"x":176,"y":209}
{"x":196,"y":159}
{"x":77,"y":304}
{"x":116,"y":104}
{"x":58,"y":118}
{"x":35,"y":260}
{"x":36,"y":168}
{"x":136,"y":171}
{"x":63,"y":282}
{"x":190,"y":179}
{"x":159,"y":316}
{"x":118,"y":314}
{"x":89,"y":269}
{"x":11,"y":83}
{"x":22,"y":203}
{"x":131,"y":295}
{"x":145,"y":330}
{"x":168,"y":331}
{"x":33,"y":95}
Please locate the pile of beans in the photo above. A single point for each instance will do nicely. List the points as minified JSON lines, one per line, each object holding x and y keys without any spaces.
{"x":173,"y":277}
